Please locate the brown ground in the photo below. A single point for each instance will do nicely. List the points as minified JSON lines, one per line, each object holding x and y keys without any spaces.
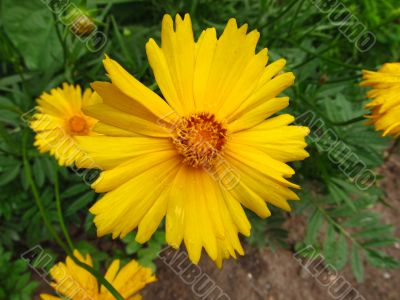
{"x":264,"y":275}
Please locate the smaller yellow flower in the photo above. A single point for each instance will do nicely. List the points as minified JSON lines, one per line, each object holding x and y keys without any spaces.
{"x":59,"y":118}
{"x":385,"y":95}
{"x":75,"y":283}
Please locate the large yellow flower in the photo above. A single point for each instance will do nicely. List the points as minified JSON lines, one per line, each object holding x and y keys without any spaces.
{"x":202,"y":154}
{"x":59,"y":119}
{"x":385,"y":95}
{"x":75,"y":283}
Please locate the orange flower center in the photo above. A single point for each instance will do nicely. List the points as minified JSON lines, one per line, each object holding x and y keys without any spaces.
{"x":78,"y":125}
{"x":199,"y":138}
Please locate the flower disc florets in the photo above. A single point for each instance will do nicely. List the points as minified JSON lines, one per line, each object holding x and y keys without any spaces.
{"x":199,"y":138}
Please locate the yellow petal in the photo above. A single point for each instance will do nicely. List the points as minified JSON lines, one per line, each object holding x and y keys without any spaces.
{"x":258,"y":114}
{"x":112,"y":96}
{"x":112,"y":271}
{"x":284,"y":143}
{"x":113,"y":178}
{"x":134,"y":89}
{"x":268,"y":91}
{"x":114,"y":117}
{"x":108,"y":152}
{"x":120,"y":211}
{"x":110,"y":130}
{"x":204,"y":58}
{"x":175,"y":219}
{"x":49,"y":297}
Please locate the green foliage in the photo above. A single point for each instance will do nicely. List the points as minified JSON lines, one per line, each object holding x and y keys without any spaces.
{"x":20,"y":24}
{"x":148,"y":253}
{"x":268,"y":232}
{"x":333,"y":227}
{"x":15,"y":279}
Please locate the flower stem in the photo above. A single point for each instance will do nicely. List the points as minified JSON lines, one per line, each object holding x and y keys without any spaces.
{"x":348,"y":122}
{"x":53,"y":232}
{"x":36,"y":196}
{"x":59,"y":211}
{"x":318,"y":55}
{"x":99,"y":278}
{"x":61,"y":39}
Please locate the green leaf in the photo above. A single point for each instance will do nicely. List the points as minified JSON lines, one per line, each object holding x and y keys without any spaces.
{"x":74,"y":190}
{"x":9,"y":173}
{"x":340,"y":191}
{"x":132,"y":247}
{"x":381,"y":260}
{"x":341,"y":252}
{"x":80,"y":203}
{"x":380,"y":242}
{"x":377,"y":230}
{"x":329,"y":244}
{"x":22,"y":281}
{"x":314,"y":226}
{"x":38,"y":172}
{"x":356,"y":263}
{"x":48,"y":168}
{"x":27,"y":25}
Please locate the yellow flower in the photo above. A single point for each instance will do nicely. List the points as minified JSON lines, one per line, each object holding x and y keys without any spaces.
{"x":75,"y":283}
{"x":202,"y":154}
{"x":59,"y":119}
{"x":385,"y":104}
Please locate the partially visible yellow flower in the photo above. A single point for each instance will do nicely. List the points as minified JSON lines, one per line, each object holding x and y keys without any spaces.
{"x":59,"y":119}
{"x":211,"y":148}
{"x":385,"y":95}
{"x":75,"y":283}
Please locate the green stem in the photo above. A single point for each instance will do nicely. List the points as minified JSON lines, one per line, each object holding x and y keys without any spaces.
{"x":283,"y":12}
{"x":348,"y":122}
{"x":62,"y":41}
{"x":294,"y":18}
{"x":334,"y":81}
{"x":59,"y":211}
{"x":36,"y":195}
{"x":318,"y":55}
{"x":99,"y":278}
{"x":280,"y":14}
{"x":47,"y":223}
